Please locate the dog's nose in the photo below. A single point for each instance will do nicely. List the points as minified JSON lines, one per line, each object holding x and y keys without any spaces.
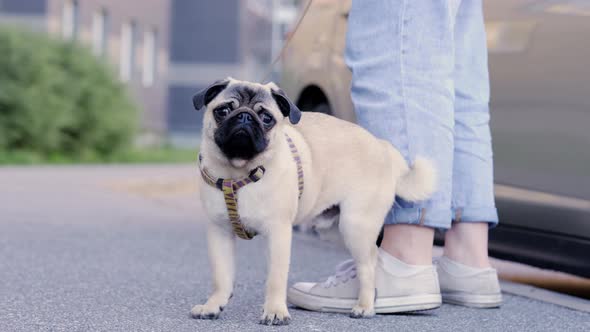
{"x":245,"y":117}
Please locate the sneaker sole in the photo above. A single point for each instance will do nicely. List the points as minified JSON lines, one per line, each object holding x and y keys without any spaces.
{"x":385,"y":305}
{"x":473,"y":300}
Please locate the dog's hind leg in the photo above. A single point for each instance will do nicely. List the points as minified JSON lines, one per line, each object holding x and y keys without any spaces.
{"x":360,"y":226}
{"x":221,"y":256}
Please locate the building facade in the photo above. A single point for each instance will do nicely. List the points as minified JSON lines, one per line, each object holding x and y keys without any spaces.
{"x":133,"y":37}
{"x":30,"y":14}
{"x":166,"y":50}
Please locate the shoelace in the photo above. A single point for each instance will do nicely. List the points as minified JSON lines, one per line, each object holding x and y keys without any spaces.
{"x":345,"y":271}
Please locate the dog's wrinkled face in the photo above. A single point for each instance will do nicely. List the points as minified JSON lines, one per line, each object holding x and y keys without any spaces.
{"x":241,"y":116}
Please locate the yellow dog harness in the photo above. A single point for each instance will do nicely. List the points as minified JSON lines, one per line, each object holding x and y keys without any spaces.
{"x":230,"y":188}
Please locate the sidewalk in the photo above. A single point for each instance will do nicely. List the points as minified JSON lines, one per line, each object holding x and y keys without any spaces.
{"x":123,"y":249}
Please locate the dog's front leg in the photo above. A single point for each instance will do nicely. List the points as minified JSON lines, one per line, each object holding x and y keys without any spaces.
{"x":221,"y":257}
{"x":275,"y":304}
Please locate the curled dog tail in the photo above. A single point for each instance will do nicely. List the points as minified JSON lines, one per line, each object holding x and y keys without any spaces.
{"x":418,"y":182}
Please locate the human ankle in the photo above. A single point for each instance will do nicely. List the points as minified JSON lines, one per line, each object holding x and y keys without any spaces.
{"x":408,"y":243}
{"x":396,"y":267}
{"x":467,"y":244}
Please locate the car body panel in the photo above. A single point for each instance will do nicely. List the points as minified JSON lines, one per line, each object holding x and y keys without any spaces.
{"x":539,"y":69}
{"x":314,"y":57}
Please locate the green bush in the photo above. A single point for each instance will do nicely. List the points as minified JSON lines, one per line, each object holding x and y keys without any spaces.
{"x":57,"y":98}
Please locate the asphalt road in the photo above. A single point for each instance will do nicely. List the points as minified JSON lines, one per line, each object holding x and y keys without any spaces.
{"x":123,"y":249}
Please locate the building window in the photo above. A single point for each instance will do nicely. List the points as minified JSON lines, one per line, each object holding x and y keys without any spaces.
{"x":100,"y":32}
{"x":69,"y":19}
{"x":128,"y":46}
{"x":150,"y":56}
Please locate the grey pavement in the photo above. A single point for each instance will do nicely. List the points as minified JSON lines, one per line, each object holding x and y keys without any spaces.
{"x":122,"y":248}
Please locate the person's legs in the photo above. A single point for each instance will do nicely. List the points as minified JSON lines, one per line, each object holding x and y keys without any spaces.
{"x":473,"y":194}
{"x":401,"y":55}
{"x":464,"y":271}
{"x":402,"y":90}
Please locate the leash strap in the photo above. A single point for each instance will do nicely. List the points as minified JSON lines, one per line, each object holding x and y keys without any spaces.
{"x":230,"y":188}
{"x":281,"y":54}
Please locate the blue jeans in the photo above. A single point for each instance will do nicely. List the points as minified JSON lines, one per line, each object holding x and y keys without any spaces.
{"x":420,"y":80}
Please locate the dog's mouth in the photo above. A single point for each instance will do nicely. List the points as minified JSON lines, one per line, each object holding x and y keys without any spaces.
{"x":241,"y":142}
{"x":241,"y":132}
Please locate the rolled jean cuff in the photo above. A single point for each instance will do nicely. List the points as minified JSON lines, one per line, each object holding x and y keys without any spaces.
{"x":479,"y":214}
{"x":433,"y":218}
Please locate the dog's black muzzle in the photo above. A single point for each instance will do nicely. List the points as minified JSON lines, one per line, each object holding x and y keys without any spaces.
{"x":241,"y":135}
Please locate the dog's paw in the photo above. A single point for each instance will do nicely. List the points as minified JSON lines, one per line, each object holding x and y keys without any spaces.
{"x":205,"y":311}
{"x":276,"y":316}
{"x":360,"y":312}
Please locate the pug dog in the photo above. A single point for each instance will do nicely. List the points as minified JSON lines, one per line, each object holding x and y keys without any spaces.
{"x":345,"y":169}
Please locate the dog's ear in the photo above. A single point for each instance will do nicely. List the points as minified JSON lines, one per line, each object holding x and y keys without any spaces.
{"x":286,"y":105}
{"x":204,"y":97}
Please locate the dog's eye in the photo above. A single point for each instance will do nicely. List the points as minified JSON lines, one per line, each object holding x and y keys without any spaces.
{"x":267,"y":119}
{"x":221,"y":113}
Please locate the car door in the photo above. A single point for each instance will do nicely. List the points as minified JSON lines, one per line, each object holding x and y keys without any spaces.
{"x":539,"y":59}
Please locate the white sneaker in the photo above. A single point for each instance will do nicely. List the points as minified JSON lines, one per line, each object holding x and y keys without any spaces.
{"x":400,"y":288}
{"x":468,"y":286}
